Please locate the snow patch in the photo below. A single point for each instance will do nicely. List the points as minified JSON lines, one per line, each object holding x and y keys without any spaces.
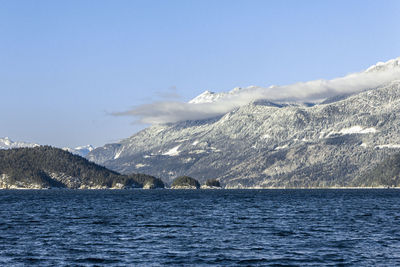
{"x":187,"y":160}
{"x":117,"y":155}
{"x":140,"y":165}
{"x":172,"y":152}
{"x":195,"y":142}
{"x":281,"y":147}
{"x":357,"y":130}
{"x":199,"y":151}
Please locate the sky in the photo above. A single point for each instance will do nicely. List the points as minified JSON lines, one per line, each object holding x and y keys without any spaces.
{"x":67,"y":67}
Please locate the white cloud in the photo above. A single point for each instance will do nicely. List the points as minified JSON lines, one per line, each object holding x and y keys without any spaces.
{"x":173,"y":111}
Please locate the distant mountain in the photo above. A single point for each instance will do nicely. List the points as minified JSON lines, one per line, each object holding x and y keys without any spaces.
{"x":45,"y":167}
{"x":80,"y":150}
{"x":273,"y":144}
{"x":7,"y":143}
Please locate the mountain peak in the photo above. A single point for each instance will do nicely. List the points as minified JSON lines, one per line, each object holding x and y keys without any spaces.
{"x":205,"y":97}
{"x":390,"y":65}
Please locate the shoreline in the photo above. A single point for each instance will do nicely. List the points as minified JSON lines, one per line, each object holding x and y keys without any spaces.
{"x":205,"y":189}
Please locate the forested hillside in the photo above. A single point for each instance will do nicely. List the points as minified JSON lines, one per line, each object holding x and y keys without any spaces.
{"x":45,"y":166}
{"x":386,"y":173}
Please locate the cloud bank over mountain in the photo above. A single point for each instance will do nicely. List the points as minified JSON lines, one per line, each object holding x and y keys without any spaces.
{"x":211,"y":104}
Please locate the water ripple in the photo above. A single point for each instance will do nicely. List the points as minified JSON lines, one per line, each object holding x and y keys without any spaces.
{"x":199,"y":228}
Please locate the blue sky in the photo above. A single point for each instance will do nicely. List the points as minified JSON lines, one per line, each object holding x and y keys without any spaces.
{"x":65,"y":66}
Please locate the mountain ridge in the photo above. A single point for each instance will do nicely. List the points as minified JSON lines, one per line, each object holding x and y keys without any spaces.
{"x":264,"y":146}
{"x":270,"y":143}
{"x":210,"y":97}
{"x":7,"y":143}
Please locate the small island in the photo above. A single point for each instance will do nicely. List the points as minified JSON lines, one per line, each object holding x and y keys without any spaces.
{"x":212,"y":184}
{"x":185,"y":182}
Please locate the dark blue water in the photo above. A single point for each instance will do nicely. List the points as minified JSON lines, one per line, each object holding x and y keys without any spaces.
{"x":204,"y":227}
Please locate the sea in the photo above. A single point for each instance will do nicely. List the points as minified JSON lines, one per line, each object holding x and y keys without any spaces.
{"x":332,"y":227}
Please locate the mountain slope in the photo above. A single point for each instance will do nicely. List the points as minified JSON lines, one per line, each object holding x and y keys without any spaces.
{"x":263,"y":144}
{"x":385,"y":173}
{"x":43,"y":167}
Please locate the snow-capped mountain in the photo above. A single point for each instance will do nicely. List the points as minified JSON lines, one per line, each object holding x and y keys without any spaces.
{"x":209,"y":104}
{"x":269,"y":144}
{"x":386,"y":71}
{"x":7,"y":143}
{"x":80,"y":150}
{"x":393,"y":64}
{"x":211,"y":97}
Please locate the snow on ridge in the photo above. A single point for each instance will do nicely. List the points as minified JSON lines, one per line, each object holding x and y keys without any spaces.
{"x":212,"y":97}
{"x":384,"y":66}
{"x":205,"y":97}
{"x":172,"y":152}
